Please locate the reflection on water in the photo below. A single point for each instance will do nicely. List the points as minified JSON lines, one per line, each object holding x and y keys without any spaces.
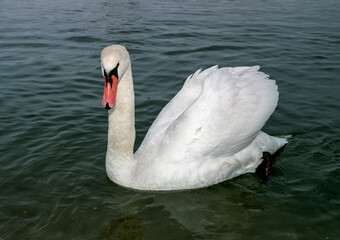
{"x":127,"y":227}
{"x":188,"y":214}
{"x":53,"y":129}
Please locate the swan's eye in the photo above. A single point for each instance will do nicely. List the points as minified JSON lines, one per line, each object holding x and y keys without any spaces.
{"x":114,"y":72}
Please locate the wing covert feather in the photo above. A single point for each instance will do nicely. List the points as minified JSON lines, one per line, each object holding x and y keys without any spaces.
{"x":229,"y":111}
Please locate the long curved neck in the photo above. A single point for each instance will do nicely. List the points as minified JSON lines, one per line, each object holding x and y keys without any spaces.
{"x":121,"y":132}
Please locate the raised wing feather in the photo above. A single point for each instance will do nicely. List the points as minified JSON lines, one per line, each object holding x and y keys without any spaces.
{"x":227,"y":114}
{"x":189,"y":93}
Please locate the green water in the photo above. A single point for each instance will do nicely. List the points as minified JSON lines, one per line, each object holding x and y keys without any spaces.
{"x":53,"y":131}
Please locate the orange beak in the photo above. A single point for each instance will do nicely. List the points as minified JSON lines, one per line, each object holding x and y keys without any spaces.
{"x":110,"y":91}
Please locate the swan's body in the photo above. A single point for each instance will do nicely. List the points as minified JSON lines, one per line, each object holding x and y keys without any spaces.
{"x":208,"y":133}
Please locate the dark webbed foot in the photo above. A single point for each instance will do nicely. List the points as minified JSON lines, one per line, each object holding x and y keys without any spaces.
{"x":265,"y":168}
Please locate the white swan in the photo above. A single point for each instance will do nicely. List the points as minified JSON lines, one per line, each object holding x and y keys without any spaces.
{"x":208,"y":133}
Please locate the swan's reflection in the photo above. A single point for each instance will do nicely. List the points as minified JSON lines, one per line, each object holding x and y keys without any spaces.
{"x":218,"y":211}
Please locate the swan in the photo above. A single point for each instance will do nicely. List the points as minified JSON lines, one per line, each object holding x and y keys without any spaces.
{"x":208,"y":133}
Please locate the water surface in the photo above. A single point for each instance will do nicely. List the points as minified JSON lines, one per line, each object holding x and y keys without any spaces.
{"x":53,"y":131}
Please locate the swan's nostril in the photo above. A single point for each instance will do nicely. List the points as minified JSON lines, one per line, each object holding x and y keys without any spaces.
{"x":107,"y":106}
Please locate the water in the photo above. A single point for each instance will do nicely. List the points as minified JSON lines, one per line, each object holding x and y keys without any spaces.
{"x":53,"y":128}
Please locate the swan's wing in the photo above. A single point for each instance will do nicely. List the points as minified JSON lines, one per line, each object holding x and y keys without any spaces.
{"x":177,"y":105}
{"x":227,"y":114}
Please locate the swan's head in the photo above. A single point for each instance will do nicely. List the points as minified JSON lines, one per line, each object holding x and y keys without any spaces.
{"x":115,"y":61}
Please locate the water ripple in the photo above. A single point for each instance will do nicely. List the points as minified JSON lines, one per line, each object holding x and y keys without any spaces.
{"x":53,"y":128}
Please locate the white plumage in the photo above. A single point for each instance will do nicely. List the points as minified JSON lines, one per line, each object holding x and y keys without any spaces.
{"x":208,"y":133}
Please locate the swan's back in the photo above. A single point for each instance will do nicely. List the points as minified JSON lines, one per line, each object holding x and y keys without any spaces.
{"x":218,"y":112}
